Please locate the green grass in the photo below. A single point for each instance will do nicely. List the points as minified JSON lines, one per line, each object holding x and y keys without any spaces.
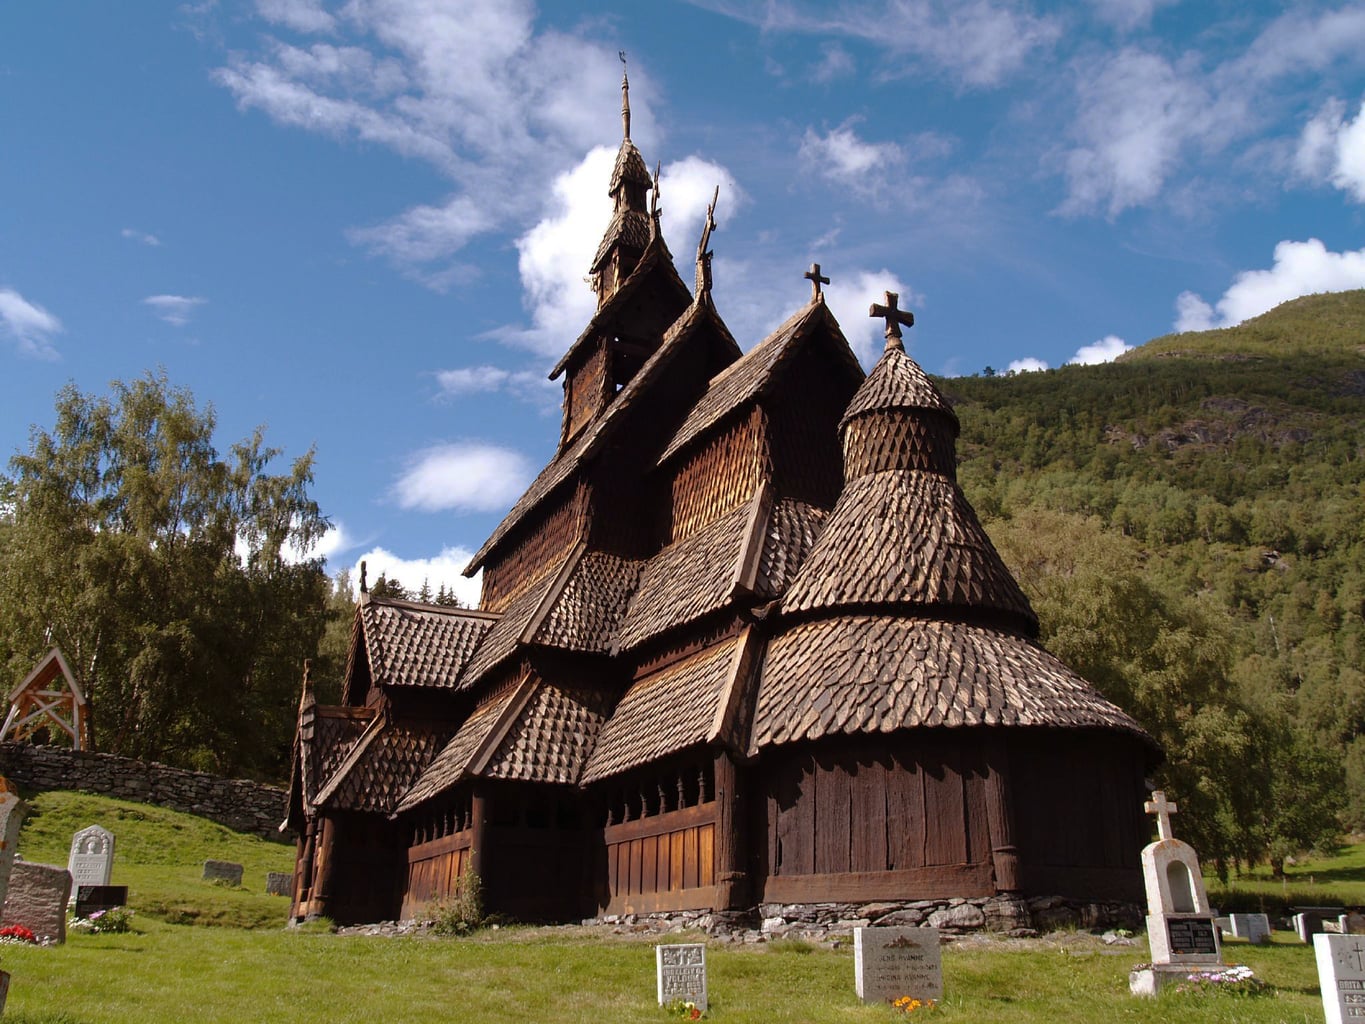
{"x":1319,"y":880}
{"x":160,"y":854}
{"x":168,"y":973}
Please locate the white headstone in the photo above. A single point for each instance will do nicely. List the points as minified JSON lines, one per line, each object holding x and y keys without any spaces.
{"x":1341,"y":975}
{"x":1255,"y":928}
{"x":92,"y":856}
{"x":1180,"y":925}
{"x":682,"y":973}
{"x":892,"y":962}
{"x":12,"y":811}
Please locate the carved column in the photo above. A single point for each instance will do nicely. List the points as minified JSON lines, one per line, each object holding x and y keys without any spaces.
{"x":1000,"y":817}
{"x":732,"y":888}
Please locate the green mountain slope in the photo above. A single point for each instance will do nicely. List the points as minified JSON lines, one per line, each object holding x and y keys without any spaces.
{"x":1190,"y":523}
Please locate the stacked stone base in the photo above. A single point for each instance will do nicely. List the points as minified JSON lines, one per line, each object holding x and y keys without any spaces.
{"x":834,"y":922}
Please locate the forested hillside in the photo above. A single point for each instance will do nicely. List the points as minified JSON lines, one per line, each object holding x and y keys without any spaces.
{"x":1189,"y":524}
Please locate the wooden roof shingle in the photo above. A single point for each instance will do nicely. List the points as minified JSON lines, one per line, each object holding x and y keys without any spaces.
{"x":552,"y":736}
{"x":877,"y":674}
{"x":591,"y":605}
{"x":906,"y":537}
{"x":898,"y":382}
{"x":411,"y":644}
{"x":381,"y":766}
{"x":665,"y":712}
{"x":451,"y":763}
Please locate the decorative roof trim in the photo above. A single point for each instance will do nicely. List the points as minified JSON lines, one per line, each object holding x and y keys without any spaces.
{"x":727,"y":718}
{"x":756,"y":531}
{"x":553,"y":594}
{"x":351,"y":760}
{"x":507,"y":717}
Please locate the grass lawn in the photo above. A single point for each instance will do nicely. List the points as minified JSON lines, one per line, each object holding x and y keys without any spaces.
{"x":250,"y":968}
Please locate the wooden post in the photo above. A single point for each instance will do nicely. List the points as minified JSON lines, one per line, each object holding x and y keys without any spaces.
{"x":731,"y":879}
{"x":324,"y":859}
{"x":479,"y":812}
{"x":1000,"y":818}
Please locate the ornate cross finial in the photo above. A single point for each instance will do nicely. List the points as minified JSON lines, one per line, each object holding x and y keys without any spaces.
{"x":704,"y":254}
{"x":813,"y":276}
{"x":625,"y":96}
{"x":894,"y":316}
{"x":1163,"y":809}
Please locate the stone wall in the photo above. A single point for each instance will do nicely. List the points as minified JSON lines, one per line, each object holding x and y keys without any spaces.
{"x":240,"y":805}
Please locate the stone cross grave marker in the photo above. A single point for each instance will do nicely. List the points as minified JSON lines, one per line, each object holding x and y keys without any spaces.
{"x":1341,"y":975}
{"x":1180,"y":928}
{"x":892,"y":962}
{"x":682,"y":973}
{"x":92,"y":856}
{"x":12,"y":811}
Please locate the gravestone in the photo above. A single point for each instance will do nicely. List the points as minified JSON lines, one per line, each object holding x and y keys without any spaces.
{"x":1310,"y":921}
{"x":223,"y":871}
{"x":1255,"y":928}
{"x":91,"y":899}
{"x":37,"y":899}
{"x":12,"y":811}
{"x":1352,"y":923}
{"x":279,"y":883}
{"x":1341,"y":976}
{"x":681,"y":971}
{"x":92,"y":856}
{"x":1180,"y":928}
{"x":892,"y":962}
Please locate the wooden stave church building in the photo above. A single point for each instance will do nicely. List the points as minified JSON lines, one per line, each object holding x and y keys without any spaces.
{"x":743,"y":640}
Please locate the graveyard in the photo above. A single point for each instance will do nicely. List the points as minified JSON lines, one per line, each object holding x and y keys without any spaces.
{"x":213,"y":952}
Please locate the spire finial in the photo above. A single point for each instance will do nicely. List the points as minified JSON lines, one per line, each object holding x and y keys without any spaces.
{"x":895,"y":316}
{"x":654,"y":204}
{"x":625,"y":96}
{"x":703,"y":254}
{"x":813,"y":276}
{"x":364,"y":586}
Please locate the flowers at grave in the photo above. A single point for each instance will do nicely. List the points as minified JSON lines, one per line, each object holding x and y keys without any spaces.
{"x":1238,"y":980}
{"x":687,"y":1010}
{"x":908,"y":1005}
{"x":17,"y":934}
{"x":105,"y":922}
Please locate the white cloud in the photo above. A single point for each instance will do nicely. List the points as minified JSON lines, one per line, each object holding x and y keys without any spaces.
{"x":465,"y":476}
{"x":687,"y":186}
{"x":301,"y":15}
{"x":842,"y":157}
{"x":850,"y":298}
{"x":976,"y":42}
{"x":1300,"y":268}
{"x":527,"y":385}
{"x":1332,"y":148}
{"x":835,"y":62}
{"x":1026,"y":365}
{"x":439,"y":570}
{"x":140,"y":236}
{"x":174,"y":309}
{"x":1106,"y":350}
{"x":1127,"y":15}
{"x":29,"y":324}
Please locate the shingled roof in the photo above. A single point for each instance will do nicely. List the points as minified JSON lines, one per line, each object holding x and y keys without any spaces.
{"x":449,"y":766}
{"x":666,"y":712}
{"x":877,"y":674}
{"x":381,"y":766}
{"x":898,"y":382}
{"x":412,"y":644}
{"x":550,"y":739}
{"x":741,"y":382}
{"x":590,"y":441}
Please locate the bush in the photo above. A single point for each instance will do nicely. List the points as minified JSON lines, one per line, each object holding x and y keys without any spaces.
{"x":461,"y":913}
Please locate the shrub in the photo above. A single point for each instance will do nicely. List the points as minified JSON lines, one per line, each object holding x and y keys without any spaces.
{"x":461,"y":913}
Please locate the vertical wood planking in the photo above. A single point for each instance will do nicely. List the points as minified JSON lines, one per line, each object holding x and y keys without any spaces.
{"x":833,"y":826}
{"x":974,"y":794}
{"x":649,"y":863}
{"x":706,"y":855}
{"x":869,"y":816}
{"x":675,"y":860}
{"x":943,"y":806}
{"x":905,"y":814}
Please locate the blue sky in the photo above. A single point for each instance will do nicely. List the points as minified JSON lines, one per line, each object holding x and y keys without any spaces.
{"x":366,"y":224}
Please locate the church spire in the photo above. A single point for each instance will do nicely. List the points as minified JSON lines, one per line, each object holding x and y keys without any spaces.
{"x":625,"y":97}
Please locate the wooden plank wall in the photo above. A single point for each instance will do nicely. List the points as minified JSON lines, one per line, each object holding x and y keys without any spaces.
{"x":585,"y":389}
{"x":435,"y":870}
{"x":806,"y":454}
{"x":855,"y":822}
{"x":662,"y":862}
{"x":719,"y":476}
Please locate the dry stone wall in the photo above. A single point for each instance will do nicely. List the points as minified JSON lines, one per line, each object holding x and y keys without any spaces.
{"x":240,"y":805}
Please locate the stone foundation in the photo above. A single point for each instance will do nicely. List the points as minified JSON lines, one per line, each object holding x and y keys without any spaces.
{"x":834,"y":922}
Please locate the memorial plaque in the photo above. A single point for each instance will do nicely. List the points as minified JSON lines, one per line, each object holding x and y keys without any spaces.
{"x":93,"y":898}
{"x":1191,"y":936}
{"x":892,"y":962}
{"x":682,"y":973}
{"x":1341,"y":975}
{"x":92,"y":856}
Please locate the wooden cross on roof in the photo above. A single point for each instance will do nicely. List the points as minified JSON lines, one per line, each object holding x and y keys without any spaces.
{"x":813,"y":276}
{"x":1163,"y":809}
{"x":895,"y":316}
{"x":703,"y":253}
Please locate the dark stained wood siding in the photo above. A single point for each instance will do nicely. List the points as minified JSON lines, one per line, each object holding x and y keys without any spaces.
{"x":587,"y":389}
{"x":662,"y":862}
{"x":539,"y":549}
{"x":719,"y":476}
{"x":804,"y":425}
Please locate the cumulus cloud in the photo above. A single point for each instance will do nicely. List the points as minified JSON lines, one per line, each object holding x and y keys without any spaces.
{"x":1106,"y":350}
{"x":882,"y":170}
{"x":174,"y":309}
{"x":30,"y":325}
{"x":1026,"y":365}
{"x":465,"y":476}
{"x":527,"y":385}
{"x":140,"y":236}
{"x":1332,"y":149}
{"x":1300,"y":268}
{"x":436,"y":571}
{"x":850,"y":298}
{"x":842,"y":157}
{"x":975,"y":42}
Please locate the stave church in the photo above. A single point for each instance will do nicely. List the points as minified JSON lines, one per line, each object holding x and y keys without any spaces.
{"x":742,"y":641}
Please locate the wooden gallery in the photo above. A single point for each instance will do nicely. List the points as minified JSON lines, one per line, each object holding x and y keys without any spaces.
{"x":743,"y":640}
